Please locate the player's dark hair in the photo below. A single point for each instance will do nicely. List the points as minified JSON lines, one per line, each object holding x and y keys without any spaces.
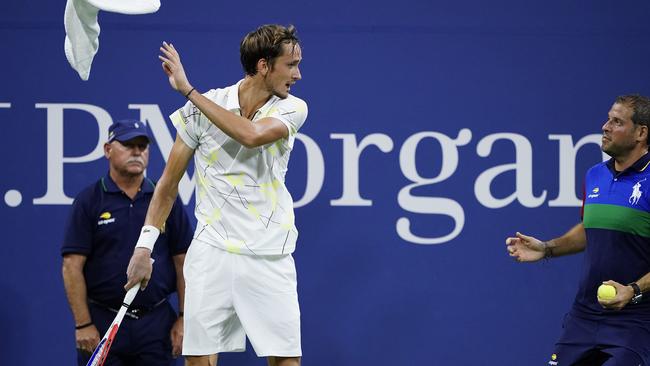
{"x":265,"y":43}
{"x":640,"y":107}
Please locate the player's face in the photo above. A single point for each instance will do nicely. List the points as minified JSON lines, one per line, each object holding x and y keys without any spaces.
{"x":620,"y":134}
{"x":285,"y":71}
{"x":128,"y":158}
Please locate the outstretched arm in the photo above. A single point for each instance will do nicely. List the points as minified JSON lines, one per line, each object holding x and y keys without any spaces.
{"x":530,"y":249}
{"x":241,"y":129}
{"x":139,"y":270}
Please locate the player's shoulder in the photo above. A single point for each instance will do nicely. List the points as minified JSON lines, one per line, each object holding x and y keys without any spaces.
{"x":293,"y":103}
{"x":220,"y":96}
{"x":214,"y":94}
{"x":292,"y":99}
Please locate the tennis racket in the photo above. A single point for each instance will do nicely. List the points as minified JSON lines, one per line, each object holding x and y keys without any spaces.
{"x":101,"y":351}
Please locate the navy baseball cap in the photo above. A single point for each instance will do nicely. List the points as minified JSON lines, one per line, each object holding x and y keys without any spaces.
{"x":127,"y":129}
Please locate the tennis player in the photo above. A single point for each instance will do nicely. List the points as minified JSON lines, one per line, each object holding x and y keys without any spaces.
{"x":240,"y":275}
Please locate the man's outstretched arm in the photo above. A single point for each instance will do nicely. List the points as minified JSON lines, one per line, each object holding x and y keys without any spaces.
{"x":139,"y":270}
{"x":526,"y":248}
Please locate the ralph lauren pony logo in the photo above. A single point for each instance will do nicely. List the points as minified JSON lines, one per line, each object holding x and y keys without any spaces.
{"x":636,"y":193}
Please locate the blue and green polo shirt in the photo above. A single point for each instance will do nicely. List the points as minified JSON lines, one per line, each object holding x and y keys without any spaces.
{"x":616,"y":218}
{"x":104,"y":225}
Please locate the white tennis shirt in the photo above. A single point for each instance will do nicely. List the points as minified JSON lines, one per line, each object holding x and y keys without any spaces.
{"x":242,"y":203}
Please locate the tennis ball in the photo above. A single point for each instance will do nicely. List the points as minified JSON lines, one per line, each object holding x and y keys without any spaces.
{"x":606,"y":292}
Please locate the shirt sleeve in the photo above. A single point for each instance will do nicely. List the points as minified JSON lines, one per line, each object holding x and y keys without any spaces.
{"x":190,"y":123}
{"x":180,"y":229}
{"x":78,"y":232}
{"x":292,"y":112}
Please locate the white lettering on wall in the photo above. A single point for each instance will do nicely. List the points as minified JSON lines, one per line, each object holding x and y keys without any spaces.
{"x":430,"y":205}
{"x":523,"y":168}
{"x":351,"y":168}
{"x":351,"y":154}
{"x":315,"y":170}
{"x":55,"y":159}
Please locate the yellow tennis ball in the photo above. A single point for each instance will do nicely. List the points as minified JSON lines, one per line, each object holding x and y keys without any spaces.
{"x":606,"y":292}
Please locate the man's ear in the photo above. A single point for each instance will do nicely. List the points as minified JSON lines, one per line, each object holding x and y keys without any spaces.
{"x":263,"y":66}
{"x":107,"y":150}
{"x":642,"y":132}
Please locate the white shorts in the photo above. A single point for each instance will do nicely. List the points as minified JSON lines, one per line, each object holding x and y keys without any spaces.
{"x":229,"y":296}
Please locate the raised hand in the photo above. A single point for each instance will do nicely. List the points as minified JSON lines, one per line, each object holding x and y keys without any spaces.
{"x":173,"y":68}
{"x":525,"y":248}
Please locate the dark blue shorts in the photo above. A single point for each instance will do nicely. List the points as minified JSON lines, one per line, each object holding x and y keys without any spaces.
{"x":587,"y":355}
{"x":588,"y":342}
{"x":139,"y":342}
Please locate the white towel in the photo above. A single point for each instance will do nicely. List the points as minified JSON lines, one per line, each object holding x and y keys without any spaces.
{"x":82,"y":28}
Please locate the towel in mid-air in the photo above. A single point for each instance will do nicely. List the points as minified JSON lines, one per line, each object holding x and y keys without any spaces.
{"x":82,"y":28}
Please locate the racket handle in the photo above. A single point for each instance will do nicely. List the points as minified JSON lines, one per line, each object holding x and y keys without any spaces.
{"x":131,"y":294}
{"x":132,"y":291}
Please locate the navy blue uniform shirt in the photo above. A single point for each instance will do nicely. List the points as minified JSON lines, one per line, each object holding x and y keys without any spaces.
{"x":616,"y":218}
{"x":104,"y":225}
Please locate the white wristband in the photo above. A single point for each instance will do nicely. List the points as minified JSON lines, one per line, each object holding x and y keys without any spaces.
{"x":148,"y":236}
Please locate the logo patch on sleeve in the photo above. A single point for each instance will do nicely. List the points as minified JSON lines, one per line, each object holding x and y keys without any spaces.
{"x":594,"y":193}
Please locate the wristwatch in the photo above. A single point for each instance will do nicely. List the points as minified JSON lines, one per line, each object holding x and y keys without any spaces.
{"x":638,"y":295}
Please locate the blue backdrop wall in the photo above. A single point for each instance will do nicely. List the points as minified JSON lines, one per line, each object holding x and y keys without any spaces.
{"x":436,"y":129}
